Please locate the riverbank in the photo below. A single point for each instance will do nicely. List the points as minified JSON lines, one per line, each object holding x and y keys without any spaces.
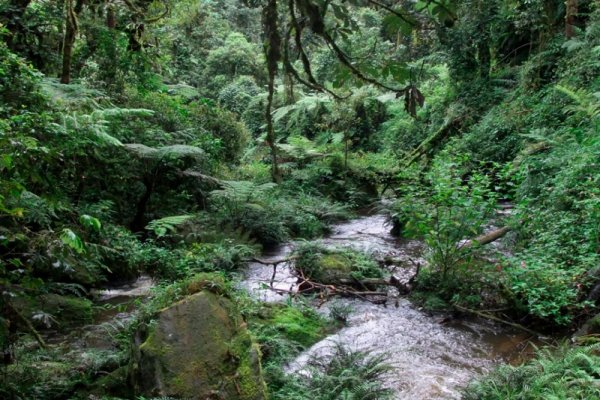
{"x":432,"y":355}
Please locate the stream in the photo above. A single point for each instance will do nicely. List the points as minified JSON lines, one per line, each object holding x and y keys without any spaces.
{"x":433,"y":356}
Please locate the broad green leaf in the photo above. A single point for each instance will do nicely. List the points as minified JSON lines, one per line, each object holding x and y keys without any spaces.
{"x":72,"y":240}
{"x":90,"y":222}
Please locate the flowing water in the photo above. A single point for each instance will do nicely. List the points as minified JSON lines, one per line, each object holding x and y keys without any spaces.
{"x":433,"y":356}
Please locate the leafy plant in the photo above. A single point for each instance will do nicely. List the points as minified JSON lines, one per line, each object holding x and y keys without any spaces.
{"x":341,"y":373}
{"x":561,"y":373}
{"x":447,"y":212}
{"x":162,"y":226}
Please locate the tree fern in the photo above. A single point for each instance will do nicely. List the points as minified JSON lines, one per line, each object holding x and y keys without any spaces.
{"x":242,"y":191}
{"x":97,"y":123}
{"x":162,"y":226}
{"x":305,"y":112}
{"x":588,"y":104}
{"x":173,"y":152}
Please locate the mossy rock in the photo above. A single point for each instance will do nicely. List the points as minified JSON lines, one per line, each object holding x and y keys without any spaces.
{"x":114,"y":383}
{"x":43,"y":380}
{"x":335,"y":266}
{"x":198,"y":348}
{"x":591,"y":327}
{"x":68,"y":311}
{"x":212,"y":282}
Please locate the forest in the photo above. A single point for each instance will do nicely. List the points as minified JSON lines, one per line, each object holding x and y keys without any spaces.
{"x":299,"y":199}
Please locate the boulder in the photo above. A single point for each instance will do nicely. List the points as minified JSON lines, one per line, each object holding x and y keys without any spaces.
{"x":591,"y":327}
{"x":198,"y":348}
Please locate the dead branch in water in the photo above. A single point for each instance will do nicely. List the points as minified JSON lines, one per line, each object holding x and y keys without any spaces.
{"x":491,"y":317}
{"x":272,"y":262}
{"x":346,"y":287}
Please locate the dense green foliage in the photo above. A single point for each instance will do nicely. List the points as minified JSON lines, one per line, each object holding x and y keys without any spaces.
{"x":567,"y":373}
{"x":177,"y":138}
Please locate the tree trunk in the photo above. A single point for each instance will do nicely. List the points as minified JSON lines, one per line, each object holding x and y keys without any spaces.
{"x":69,"y":41}
{"x":273,"y":56}
{"x":572,"y":8}
{"x":111,"y":18}
{"x":288,"y":84}
{"x":138,"y":223}
{"x":271,"y":133}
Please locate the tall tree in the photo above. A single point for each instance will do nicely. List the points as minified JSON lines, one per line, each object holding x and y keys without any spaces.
{"x":273,"y":55}
{"x":72,"y":27}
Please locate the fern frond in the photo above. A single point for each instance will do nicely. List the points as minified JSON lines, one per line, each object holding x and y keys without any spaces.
{"x":167,"y":224}
{"x":173,"y":152}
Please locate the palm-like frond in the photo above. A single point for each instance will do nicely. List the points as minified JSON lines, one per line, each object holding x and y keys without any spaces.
{"x":167,"y":224}
{"x":173,"y":152}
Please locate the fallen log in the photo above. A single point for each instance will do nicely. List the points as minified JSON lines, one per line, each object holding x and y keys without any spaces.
{"x":36,"y":335}
{"x":487,"y":237}
{"x":446,"y":130}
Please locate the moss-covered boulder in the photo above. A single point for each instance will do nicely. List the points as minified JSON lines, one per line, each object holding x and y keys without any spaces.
{"x":198,"y":348}
{"x":69,"y":311}
{"x":333,"y":266}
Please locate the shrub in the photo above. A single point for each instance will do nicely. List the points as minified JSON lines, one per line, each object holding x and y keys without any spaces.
{"x":236,"y":96}
{"x":544,"y":290}
{"x":172,"y":264}
{"x":339,"y":374}
{"x":447,"y":211}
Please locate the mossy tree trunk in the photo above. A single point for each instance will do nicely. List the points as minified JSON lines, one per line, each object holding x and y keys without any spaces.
{"x":273,"y":56}
{"x":69,"y":41}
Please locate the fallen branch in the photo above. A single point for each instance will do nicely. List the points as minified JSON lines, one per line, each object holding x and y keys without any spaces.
{"x":272,"y":262}
{"x":496,"y":319}
{"x":27,"y":324}
{"x":446,"y":130}
{"x":487,"y":238}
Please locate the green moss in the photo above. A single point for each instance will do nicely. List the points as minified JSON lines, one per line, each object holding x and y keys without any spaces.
{"x":330,"y":265}
{"x":68,"y":311}
{"x":301,"y":327}
{"x":249,"y":369}
{"x":336,"y":262}
{"x":197,"y":346}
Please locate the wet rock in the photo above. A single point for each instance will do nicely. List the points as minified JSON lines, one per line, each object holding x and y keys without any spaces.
{"x":114,"y":383}
{"x":198,"y":348}
{"x":333,"y":268}
{"x":591,"y":327}
{"x":68,"y":311}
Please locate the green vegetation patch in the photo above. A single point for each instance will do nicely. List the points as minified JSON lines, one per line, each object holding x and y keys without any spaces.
{"x":562,"y":373}
{"x":332,"y":265}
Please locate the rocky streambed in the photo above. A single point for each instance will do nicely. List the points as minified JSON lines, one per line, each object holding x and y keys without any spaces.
{"x":433,"y":356}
